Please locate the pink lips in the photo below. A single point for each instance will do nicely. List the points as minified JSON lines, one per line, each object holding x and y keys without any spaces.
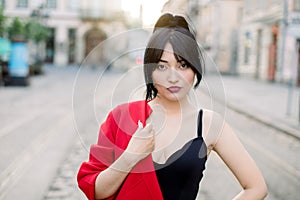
{"x":174,"y":89}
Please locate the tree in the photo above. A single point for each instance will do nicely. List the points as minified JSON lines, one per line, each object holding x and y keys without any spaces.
{"x":2,"y":22}
{"x":16,"y":30}
{"x":36,"y":31}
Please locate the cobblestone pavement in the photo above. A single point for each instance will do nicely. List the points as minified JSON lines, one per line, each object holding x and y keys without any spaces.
{"x":64,"y":185}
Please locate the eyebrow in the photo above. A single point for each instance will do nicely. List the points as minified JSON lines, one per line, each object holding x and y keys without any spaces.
{"x":165,"y":61}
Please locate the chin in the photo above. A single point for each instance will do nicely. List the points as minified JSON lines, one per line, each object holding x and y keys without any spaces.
{"x":175,"y":97}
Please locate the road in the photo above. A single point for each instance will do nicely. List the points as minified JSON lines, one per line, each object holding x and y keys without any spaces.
{"x":47,"y":127}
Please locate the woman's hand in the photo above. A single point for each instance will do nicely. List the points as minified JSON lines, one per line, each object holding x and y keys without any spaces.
{"x":141,"y":144}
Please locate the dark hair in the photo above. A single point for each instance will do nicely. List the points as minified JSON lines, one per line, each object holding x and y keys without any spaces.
{"x":174,"y":30}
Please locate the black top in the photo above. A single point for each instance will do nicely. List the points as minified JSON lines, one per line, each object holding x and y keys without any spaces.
{"x":180,"y":176}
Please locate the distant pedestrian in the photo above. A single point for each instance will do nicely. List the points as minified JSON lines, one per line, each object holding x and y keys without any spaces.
{"x":157,"y":148}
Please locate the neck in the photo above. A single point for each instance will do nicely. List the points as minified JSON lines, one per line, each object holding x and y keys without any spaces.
{"x":173,"y":107}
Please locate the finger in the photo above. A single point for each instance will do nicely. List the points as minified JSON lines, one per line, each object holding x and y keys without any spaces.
{"x":152,"y":144}
{"x":145,"y":132}
{"x":153,"y":132}
{"x":140,"y":126}
{"x":148,"y":127}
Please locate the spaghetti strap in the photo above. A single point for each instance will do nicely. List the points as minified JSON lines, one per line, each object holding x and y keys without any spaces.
{"x":199,"y":131}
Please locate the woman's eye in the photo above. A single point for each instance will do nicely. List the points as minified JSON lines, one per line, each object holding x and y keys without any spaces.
{"x":161,"y":67}
{"x":183,"y":66}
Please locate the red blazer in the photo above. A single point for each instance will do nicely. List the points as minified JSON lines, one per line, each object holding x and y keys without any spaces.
{"x":114,"y":135}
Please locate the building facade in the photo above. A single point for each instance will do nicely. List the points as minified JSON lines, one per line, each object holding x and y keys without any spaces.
{"x":76,"y":26}
{"x":255,"y":38}
{"x":218,"y":27}
{"x":216,"y":23}
{"x":291,"y":47}
{"x":269,"y":40}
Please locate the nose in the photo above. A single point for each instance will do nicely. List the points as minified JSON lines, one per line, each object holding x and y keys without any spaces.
{"x":173,"y":76}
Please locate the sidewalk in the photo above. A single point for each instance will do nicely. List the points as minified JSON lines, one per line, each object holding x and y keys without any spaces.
{"x":263,"y":101}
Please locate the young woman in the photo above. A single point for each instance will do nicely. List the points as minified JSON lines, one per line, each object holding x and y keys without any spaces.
{"x":157,"y":148}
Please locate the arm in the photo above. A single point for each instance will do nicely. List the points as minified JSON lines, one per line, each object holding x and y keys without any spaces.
{"x":235,"y":156}
{"x":109,"y":180}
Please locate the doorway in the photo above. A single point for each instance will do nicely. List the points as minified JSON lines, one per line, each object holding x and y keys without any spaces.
{"x":93,"y":52}
{"x":273,"y":54}
{"x":50,"y":46}
{"x":72,"y":45}
{"x":92,"y":39}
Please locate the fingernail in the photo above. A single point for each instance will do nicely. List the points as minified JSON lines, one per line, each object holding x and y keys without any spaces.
{"x":140,"y":124}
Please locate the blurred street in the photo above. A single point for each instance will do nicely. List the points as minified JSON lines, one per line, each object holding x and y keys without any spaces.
{"x":47,"y":128}
{"x":50,"y":113}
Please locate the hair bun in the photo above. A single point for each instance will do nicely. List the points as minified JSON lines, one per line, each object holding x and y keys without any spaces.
{"x":171,"y":21}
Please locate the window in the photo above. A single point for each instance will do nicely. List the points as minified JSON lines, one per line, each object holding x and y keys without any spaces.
{"x":240,"y":15}
{"x":50,"y":3}
{"x":247,"y":47}
{"x":22,"y":3}
{"x":74,"y":4}
{"x":248,"y":7}
{"x":297,"y":5}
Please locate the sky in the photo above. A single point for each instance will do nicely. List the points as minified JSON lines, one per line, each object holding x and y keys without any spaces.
{"x":151,"y":9}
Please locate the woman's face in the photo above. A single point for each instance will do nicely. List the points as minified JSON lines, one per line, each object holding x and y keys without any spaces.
{"x":173,"y":79}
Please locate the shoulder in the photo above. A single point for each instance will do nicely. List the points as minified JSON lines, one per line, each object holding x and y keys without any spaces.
{"x":133,"y":104}
{"x":213,"y":124}
{"x":124,"y":118}
{"x":131,"y":107}
{"x":210,"y":115}
{"x":131,"y":111}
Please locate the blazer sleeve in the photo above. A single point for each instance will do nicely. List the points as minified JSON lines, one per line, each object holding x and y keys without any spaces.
{"x":101,"y":156}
